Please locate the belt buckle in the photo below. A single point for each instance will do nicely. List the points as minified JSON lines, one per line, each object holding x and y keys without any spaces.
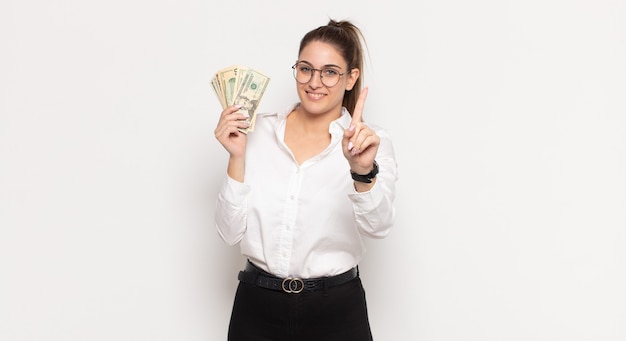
{"x":292,"y":285}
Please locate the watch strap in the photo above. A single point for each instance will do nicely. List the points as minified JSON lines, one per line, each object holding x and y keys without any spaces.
{"x":366,"y":178}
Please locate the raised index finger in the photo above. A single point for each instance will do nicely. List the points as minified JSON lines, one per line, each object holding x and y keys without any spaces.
{"x":357,"y":115}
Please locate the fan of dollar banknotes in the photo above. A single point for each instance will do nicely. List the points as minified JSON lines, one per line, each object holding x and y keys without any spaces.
{"x":239,"y":85}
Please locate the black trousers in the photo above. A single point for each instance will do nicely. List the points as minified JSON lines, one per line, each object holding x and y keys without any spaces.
{"x":335,"y":314}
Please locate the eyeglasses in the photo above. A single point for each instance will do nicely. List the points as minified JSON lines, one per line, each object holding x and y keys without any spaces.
{"x":303,"y":73}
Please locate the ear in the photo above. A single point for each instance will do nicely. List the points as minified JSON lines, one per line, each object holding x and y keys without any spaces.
{"x":352,"y":78}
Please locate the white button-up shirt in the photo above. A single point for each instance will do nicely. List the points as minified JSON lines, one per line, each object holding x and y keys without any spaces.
{"x":304,"y":220}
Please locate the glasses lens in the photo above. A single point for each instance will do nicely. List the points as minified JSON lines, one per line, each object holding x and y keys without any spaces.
{"x":302,"y":73}
{"x":330,"y":77}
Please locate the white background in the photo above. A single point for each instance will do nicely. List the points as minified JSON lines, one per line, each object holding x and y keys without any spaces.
{"x":508,"y":119}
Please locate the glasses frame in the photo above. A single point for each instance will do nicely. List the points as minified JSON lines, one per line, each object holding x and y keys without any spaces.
{"x":313,"y":73}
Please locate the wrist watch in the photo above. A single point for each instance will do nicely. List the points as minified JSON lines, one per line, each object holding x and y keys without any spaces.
{"x":366,"y":178}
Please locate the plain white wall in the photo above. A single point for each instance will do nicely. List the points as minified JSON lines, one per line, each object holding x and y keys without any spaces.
{"x":508,"y":118}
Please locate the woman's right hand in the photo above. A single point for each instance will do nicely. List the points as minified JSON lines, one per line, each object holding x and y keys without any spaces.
{"x":228,"y":134}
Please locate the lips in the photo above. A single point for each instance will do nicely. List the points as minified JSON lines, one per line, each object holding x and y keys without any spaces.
{"x":315,"y":96}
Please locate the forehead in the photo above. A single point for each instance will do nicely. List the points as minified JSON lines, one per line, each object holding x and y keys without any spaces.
{"x":318,"y":53}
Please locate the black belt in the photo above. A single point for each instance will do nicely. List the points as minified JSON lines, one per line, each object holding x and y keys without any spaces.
{"x":253,"y":275}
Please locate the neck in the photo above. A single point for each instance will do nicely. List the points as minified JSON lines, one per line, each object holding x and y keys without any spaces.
{"x":313,"y":123}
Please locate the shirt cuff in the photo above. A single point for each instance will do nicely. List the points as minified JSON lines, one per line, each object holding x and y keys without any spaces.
{"x":365,"y":202}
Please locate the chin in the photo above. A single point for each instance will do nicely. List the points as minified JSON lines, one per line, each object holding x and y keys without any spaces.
{"x":312,"y":108}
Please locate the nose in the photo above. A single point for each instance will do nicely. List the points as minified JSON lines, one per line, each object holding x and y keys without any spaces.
{"x":315,"y":82}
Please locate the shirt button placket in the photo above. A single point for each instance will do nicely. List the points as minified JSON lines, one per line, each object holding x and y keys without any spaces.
{"x":289,"y":217}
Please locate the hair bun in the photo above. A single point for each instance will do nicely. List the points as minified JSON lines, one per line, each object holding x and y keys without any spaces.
{"x":335,"y":23}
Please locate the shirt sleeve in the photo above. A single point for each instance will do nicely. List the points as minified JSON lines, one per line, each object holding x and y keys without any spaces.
{"x":374,"y":210}
{"x":230,"y":211}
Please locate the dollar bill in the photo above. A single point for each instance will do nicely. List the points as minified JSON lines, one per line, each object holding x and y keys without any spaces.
{"x":229,"y":79}
{"x":240,"y":85}
{"x":218,"y":92}
{"x":249,"y":95}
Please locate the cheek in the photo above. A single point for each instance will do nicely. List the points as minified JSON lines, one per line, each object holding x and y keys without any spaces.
{"x":300,"y":90}
{"x":337,"y":97}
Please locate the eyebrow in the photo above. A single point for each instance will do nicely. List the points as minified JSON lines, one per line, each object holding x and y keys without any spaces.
{"x":323,"y":66}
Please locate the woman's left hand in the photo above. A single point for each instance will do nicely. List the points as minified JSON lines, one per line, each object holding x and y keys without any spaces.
{"x":360,"y":143}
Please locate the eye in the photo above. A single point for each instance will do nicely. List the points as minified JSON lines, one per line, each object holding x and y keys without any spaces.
{"x":330,"y":72}
{"x":305,"y":69}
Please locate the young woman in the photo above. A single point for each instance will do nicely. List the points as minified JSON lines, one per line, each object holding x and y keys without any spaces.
{"x":300,"y":192}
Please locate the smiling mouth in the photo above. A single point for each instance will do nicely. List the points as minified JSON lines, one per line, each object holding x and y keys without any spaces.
{"x":315,"y":95}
